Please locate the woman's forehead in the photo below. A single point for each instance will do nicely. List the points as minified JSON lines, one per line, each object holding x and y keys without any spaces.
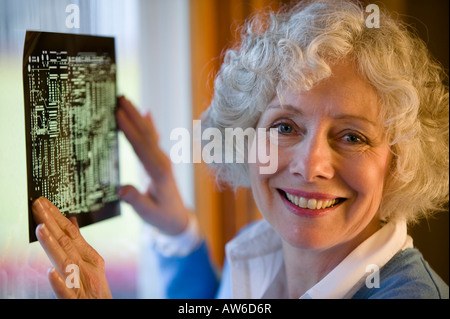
{"x":344,"y":92}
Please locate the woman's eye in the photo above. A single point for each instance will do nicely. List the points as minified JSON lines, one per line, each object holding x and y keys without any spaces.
{"x":353,"y":139}
{"x":285,"y":128}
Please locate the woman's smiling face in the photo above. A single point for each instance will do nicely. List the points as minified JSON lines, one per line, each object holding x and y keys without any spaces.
{"x":332,"y":163}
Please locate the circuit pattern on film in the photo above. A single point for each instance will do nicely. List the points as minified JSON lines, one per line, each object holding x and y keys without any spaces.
{"x":73,"y":129}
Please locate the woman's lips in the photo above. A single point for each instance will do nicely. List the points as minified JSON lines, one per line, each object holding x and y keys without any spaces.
{"x":310,"y":204}
{"x":308,"y":195}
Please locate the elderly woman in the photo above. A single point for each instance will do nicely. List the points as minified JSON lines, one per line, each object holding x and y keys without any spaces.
{"x":361,"y":122}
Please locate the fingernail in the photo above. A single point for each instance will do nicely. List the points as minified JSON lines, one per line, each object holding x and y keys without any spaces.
{"x":42,"y":229}
{"x":38,"y":205}
{"x":51,"y":271}
{"x":121,"y":192}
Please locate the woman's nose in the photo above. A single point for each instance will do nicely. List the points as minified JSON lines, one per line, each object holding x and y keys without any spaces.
{"x":313,"y":159}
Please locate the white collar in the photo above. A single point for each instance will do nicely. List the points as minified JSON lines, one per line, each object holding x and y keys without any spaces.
{"x":257,"y":264}
{"x":255,"y":257}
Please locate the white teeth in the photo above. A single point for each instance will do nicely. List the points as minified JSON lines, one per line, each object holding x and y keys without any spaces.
{"x":311,"y":203}
{"x":303,"y":202}
{"x":319,"y":204}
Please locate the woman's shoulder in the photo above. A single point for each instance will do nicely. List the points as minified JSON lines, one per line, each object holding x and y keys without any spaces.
{"x":406,"y":276}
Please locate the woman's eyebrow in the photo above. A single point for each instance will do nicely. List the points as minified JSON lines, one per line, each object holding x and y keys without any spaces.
{"x":354,"y":117}
{"x":288,"y":107}
{"x":339,"y":116}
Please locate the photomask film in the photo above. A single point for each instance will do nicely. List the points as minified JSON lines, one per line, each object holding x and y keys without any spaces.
{"x":70,"y":101}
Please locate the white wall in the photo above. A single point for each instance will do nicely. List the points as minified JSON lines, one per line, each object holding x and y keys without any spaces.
{"x":166,"y":94}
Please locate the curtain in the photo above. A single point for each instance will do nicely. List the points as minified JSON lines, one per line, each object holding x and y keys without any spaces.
{"x":221,"y":212}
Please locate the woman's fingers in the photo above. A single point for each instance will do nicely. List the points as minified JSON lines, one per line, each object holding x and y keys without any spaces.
{"x":137,"y":120}
{"x":145,"y":206}
{"x":142,"y":135}
{"x":128,"y":128}
{"x":46,"y":212}
{"x":74,"y":221}
{"x":162,"y":205}
{"x":168,"y":215}
{"x":59,"y":285}
{"x":68,"y":252}
{"x":140,"y":132}
{"x":56,"y":242}
{"x":54,"y":249}
{"x":59,"y":229}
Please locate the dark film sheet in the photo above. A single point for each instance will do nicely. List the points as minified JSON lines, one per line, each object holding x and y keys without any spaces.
{"x":69,"y":85}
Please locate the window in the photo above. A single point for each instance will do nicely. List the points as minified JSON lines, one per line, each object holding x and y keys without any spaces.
{"x":152,"y":42}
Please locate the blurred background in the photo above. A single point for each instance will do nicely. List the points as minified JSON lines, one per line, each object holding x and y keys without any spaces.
{"x":167,"y":53}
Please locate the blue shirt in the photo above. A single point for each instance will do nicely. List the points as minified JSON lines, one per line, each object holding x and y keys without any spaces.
{"x":405,"y":276}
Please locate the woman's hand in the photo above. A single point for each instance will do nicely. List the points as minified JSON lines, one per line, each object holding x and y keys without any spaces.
{"x":161,"y":205}
{"x":69,"y":254}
